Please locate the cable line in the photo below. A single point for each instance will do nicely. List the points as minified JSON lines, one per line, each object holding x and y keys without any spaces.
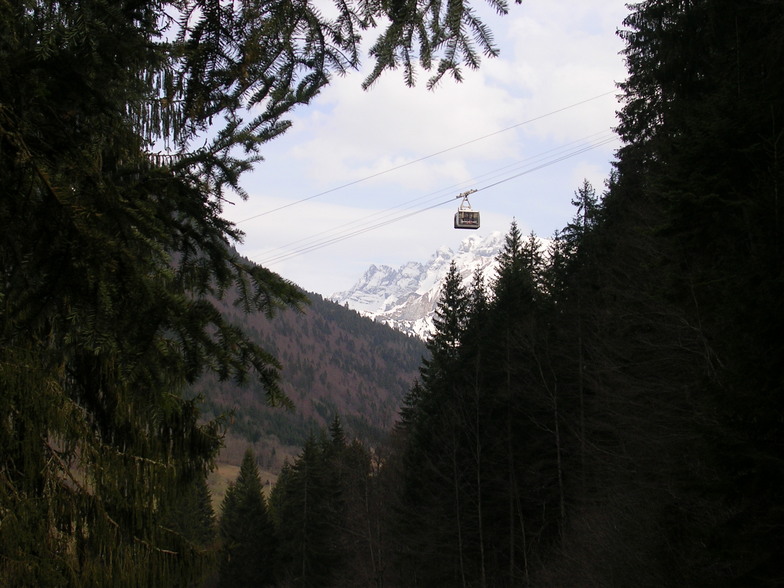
{"x":601,"y":137}
{"x":390,"y":216}
{"x":548,"y":163}
{"x":413,"y":161}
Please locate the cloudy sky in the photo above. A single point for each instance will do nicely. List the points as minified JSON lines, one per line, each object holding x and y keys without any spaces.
{"x":371,"y":177}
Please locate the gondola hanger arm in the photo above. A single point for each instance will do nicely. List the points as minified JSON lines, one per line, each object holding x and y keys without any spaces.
{"x":465,"y":194}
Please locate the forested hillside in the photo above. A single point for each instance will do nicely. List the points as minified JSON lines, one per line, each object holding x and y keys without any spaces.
{"x":334,"y":362}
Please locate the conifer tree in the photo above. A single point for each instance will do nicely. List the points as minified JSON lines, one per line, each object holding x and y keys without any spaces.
{"x":439,"y":522}
{"x":246,"y":531}
{"x":305,"y":519}
{"x":702,"y":108}
{"x":409,"y":407}
{"x":354,"y":511}
{"x":586,"y":216}
{"x":191,"y":516}
{"x":521,"y":456}
{"x":477,"y":300}
{"x":109,"y":256}
{"x":431,"y":487}
{"x":449,"y":323}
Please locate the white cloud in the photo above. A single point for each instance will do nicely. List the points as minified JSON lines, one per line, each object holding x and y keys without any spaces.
{"x":554,"y":54}
{"x":394,"y":124}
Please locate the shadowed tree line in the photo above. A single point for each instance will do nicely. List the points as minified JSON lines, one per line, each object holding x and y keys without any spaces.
{"x":604,"y":413}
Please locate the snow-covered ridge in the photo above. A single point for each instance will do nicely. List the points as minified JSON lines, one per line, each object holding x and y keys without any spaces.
{"x":405,"y":298}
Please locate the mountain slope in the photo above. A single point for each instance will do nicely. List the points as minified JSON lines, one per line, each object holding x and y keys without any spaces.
{"x":405,"y":298}
{"x":334,"y":362}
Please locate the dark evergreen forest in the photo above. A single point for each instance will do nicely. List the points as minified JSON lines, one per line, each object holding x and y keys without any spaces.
{"x":608,"y":412}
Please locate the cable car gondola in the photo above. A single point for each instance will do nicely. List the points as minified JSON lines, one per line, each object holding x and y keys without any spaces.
{"x":466,"y":217}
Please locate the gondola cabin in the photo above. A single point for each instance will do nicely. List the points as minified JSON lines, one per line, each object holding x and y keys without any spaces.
{"x":466,"y":217}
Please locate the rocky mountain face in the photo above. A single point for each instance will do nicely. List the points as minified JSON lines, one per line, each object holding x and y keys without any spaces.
{"x":405,"y":298}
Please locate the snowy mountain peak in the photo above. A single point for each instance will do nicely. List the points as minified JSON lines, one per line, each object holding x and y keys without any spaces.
{"x":405,"y":298}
